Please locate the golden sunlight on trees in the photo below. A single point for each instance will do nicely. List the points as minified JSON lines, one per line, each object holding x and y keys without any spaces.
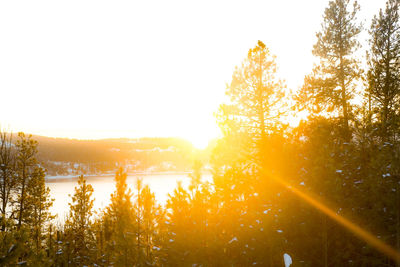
{"x":331,"y":85}
{"x":384,"y":75}
{"x":7,"y":181}
{"x":322,"y":193}
{"x":118,"y":222}
{"x":78,"y":224}
{"x":253,"y":116}
{"x":256,"y":95}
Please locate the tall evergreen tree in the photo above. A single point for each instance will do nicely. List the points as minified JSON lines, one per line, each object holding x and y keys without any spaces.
{"x":149,"y":211}
{"x":178,"y":227}
{"x":331,"y":85}
{"x":79,"y":222}
{"x":37,"y":216}
{"x":384,"y":68}
{"x":251,"y":121}
{"x":256,"y":95}
{"x":384,"y":95}
{"x":26,"y":164}
{"x":7,"y":176}
{"x":120,"y":224}
{"x":38,"y":202}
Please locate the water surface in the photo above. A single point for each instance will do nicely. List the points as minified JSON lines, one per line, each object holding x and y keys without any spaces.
{"x":160,"y":184}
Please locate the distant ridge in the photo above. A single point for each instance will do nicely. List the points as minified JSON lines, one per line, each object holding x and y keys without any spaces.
{"x":64,"y":156}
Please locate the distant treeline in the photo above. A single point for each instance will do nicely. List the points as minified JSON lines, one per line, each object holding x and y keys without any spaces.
{"x":62,"y":156}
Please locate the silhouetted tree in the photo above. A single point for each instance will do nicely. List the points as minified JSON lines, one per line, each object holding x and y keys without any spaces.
{"x":26,"y":164}
{"x":78,"y":225}
{"x":331,"y":85}
{"x":7,"y":176}
{"x":256,"y":96}
{"x":36,"y":213}
{"x":121,"y":224}
{"x":384,"y":68}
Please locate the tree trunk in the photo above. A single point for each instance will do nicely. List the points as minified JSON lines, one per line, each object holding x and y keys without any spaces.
{"x":397,"y":206}
{"x":22,"y":200}
{"x":325,"y":240}
{"x":344,"y":103}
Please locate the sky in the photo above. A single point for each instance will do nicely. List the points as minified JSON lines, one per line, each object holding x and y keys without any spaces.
{"x":93,"y":69}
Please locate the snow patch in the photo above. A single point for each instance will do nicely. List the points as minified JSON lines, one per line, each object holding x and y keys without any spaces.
{"x":287,"y":259}
{"x":232,"y":240}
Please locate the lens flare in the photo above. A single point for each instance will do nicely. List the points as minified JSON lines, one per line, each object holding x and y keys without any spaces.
{"x":354,"y":228}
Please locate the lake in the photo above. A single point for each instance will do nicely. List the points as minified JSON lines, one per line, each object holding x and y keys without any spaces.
{"x":160,"y":184}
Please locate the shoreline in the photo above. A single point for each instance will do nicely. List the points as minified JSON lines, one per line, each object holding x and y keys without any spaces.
{"x":69,"y":178}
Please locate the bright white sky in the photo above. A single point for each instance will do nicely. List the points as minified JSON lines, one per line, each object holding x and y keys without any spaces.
{"x":98,"y":69}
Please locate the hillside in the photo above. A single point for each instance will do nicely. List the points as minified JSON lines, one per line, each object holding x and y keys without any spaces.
{"x":62,"y":156}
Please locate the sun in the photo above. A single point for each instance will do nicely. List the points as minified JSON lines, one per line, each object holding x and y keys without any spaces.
{"x":201,"y":139}
{"x":199,"y":143}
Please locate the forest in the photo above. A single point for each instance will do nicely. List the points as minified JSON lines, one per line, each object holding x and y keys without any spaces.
{"x":322,"y":193}
{"x":62,"y":156}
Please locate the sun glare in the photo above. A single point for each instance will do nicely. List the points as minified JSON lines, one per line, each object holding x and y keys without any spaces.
{"x":199,"y":133}
{"x":200,"y":142}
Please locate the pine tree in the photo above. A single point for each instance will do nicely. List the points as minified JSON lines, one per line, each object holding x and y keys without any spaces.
{"x":256,"y":96}
{"x":7,"y":176}
{"x":331,"y":85}
{"x":25,"y":165}
{"x":149,"y":211}
{"x":251,"y":123}
{"x":178,"y":227}
{"x":37,"y":216}
{"x":79,"y":223}
{"x":120,"y":224}
{"x":384,"y":93}
{"x":13,"y":247}
{"x":384,"y":68}
{"x":31,"y":208}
